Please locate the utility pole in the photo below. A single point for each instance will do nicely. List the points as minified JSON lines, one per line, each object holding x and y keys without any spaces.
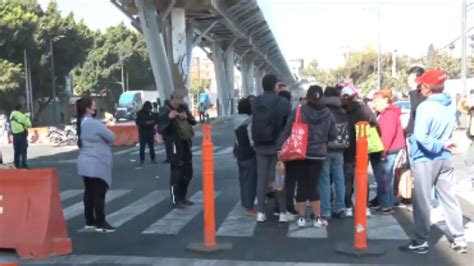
{"x":123,"y":78}
{"x":379,"y":52}
{"x":53,"y":78}
{"x":394,"y":63}
{"x":463,"y":46}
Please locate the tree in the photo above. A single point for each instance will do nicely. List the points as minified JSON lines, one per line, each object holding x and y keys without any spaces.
{"x":25,"y":27}
{"x":323,"y":77}
{"x":118,"y":48}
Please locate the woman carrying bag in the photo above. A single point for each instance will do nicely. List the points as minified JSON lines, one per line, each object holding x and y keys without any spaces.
{"x":307,"y":151}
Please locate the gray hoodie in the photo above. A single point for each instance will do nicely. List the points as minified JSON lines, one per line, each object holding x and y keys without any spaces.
{"x":321,"y":126}
{"x":243,"y":119}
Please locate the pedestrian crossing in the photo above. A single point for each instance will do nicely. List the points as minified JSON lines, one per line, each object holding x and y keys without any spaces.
{"x":235,"y":222}
{"x":196,"y":150}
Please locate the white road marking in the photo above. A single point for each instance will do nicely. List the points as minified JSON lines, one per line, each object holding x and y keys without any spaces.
{"x":71,"y":193}
{"x":78,"y":208}
{"x":237,"y":223}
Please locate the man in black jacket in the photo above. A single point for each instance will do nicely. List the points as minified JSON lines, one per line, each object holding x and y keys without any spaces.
{"x":333,"y":169}
{"x":176,"y":123}
{"x":356,"y":111}
{"x":269,"y":114}
{"x":415,"y":97}
{"x":146,"y":131}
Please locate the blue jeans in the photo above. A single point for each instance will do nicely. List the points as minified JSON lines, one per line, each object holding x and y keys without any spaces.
{"x":332,"y":170}
{"x":384,"y":175}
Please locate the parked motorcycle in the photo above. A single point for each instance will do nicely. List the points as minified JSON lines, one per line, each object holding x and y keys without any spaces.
{"x":58,"y":137}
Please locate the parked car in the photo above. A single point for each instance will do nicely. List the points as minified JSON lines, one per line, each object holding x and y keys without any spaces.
{"x":406,"y":107}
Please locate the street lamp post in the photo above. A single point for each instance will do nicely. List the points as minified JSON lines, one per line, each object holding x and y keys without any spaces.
{"x":464,"y":9}
{"x":53,"y":76}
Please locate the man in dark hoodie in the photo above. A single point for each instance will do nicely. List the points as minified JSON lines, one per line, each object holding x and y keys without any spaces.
{"x":333,"y":169}
{"x":146,"y":131}
{"x":269,"y":114}
{"x":356,"y":111}
{"x":175,"y":122}
{"x":433,"y":165}
{"x":245,"y":155}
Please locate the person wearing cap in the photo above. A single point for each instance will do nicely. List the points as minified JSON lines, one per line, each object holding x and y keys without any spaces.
{"x":175,"y":122}
{"x":432,"y":157}
{"x":356,"y":111}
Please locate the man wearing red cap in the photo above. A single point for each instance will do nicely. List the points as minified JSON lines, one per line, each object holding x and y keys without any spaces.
{"x":431,"y":153}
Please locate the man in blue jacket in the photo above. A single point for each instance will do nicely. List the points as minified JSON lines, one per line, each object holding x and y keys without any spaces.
{"x":431,"y":151}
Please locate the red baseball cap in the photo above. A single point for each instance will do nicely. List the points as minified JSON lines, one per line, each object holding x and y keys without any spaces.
{"x":432,"y":77}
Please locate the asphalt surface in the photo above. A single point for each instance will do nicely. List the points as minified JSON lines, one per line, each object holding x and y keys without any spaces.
{"x":151,"y":232}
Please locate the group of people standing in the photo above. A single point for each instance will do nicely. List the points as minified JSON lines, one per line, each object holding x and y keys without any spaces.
{"x":94,"y":164}
{"x":325,"y":178}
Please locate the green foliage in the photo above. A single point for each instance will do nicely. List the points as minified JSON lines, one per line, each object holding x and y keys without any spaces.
{"x":102,"y":70}
{"x":11,"y":76}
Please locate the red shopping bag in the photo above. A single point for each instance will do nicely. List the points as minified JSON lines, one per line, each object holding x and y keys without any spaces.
{"x":296,"y":145}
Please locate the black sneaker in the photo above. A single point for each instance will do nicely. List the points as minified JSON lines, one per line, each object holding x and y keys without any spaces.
{"x":179,"y":205}
{"x":415,"y":247}
{"x":339,"y":215}
{"x":106,"y":228}
{"x":383,"y":211}
{"x":90,"y":226}
{"x":374,"y":203}
{"x":188,"y":202}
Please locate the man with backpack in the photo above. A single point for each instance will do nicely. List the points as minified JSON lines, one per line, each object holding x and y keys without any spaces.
{"x":19,"y":124}
{"x":333,"y":168}
{"x":269,"y":114}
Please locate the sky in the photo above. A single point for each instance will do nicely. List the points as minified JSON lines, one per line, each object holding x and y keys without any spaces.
{"x":325,"y":29}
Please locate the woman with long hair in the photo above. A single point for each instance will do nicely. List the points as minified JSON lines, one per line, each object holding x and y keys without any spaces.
{"x":307,"y":172}
{"x":94,"y":163}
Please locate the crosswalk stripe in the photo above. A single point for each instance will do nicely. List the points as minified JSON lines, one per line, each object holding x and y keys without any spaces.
{"x":134,"y":209}
{"x":122,"y":152}
{"x":306,"y":232}
{"x":70,"y":193}
{"x":177,"y":219}
{"x":78,"y":208}
{"x":157,"y":151}
{"x":224,"y":151}
{"x":385,"y":227}
{"x":237,"y":223}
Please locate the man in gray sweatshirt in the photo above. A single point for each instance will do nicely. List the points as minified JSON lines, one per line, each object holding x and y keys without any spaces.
{"x":269,"y":115}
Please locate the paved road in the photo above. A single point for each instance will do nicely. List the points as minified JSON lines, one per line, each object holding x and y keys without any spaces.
{"x":151,"y":232}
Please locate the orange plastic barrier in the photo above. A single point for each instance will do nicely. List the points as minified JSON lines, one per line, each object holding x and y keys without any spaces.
{"x":210,"y":244}
{"x":125,"y":135}
{"x":31,"y":214}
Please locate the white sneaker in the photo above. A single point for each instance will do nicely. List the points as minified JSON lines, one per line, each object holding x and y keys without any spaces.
{"x":320,"y":222}
{"x":261,"y":217}
{"x":286,"y":217}
{"x":459,"y":245}
{"x":349,"y":212}
{"x":301,"y":222}
{"x":368,"y":213}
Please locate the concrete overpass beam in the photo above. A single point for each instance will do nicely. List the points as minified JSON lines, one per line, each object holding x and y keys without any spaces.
{"x":149,"y":22}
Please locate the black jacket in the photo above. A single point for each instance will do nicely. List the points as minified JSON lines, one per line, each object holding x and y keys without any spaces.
{"x":243,"y":149}
{"x":321,"y":127}
{"x":335,"y":107}
{"x":168,"y":128}
{"x":415,"y":99}
{"x":356,"y":111}
{"x":145,"y":130}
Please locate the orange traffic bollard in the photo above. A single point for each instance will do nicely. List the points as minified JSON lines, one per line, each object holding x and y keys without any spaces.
{"x":210,"y":244}
{"x":360,"y":247}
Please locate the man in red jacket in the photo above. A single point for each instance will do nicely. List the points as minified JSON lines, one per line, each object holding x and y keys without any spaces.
{"x":393,"y":140}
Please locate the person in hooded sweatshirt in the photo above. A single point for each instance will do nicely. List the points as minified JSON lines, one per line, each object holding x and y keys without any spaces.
{"x":356,"y":111}
{"x":333,"y":169}
{"x":245,"y":155}
{"x":433,"y":165}
{"x":393,"y":139}
{"x":307,"y":172}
